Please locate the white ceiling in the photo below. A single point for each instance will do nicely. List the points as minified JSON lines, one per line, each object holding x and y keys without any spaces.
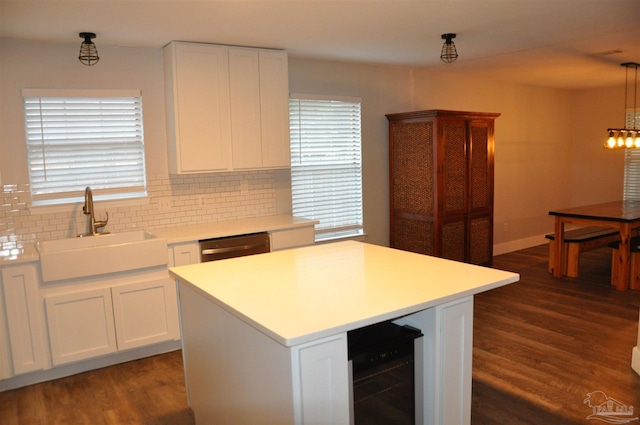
{"x":555,"y":43}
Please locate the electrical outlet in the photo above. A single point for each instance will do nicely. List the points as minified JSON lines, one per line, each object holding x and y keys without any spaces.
{"x":164,"y":203}
{"x":202,"y":201}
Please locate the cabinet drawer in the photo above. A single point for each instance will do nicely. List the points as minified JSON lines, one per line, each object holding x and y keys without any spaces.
{"x":292,"y":238}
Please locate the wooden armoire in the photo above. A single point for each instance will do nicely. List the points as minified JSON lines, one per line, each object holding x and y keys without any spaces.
{"x":441,"y":183}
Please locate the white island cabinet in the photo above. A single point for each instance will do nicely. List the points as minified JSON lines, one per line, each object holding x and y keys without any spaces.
{"x":265,"y":337}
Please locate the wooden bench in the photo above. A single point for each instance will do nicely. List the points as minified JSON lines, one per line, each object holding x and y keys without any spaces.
{"x":577,"y":241}
{"x":634,"y":278}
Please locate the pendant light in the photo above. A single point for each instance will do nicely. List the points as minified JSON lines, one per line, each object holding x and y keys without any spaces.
{"x":88,"y":52}
{"x":449,"y":53}
{"x":629,"y":136}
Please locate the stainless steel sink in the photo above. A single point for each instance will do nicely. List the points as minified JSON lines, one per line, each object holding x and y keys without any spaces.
{"x":72,"y":258}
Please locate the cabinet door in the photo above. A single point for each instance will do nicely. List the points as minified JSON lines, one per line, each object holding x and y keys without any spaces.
{"x":293,"y":238}
{"x":481,"y":165}
{"x":481,"y":192}
{"x":80,"y":325}
{"x":20,"y":289}
{"x":197,"y":98}
{"x":412,"y":186}
{"x":453,"y":238}
{"x":183,"y":254}
{"x":452,"y":169}
{"x":447,"y":350}
{"x":320,"y":382}
{"x":145,"y":313}
{"x":455,"y":353}
{"x":244,"y":86}
{"x":274,"y":109}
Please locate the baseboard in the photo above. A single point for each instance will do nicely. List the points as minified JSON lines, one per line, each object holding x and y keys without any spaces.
{"x":87,"y":365}
{"x":519,"y":244}
{"x":635,"y":359}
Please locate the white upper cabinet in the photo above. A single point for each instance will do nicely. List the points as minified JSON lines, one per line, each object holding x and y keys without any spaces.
{"x":274,"y":109}
{"x":197,"y":108}
{"x":244,"y":87}
{"x":227,"y":108}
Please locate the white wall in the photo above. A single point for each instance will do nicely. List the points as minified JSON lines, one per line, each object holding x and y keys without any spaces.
{"x":548,"y":141}
{"x":534,"y":170}
{"x":597,"y":173}
{"x":56,"y":65}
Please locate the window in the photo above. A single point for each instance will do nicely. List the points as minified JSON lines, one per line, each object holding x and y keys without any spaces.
{"x":632,"y":162}
{"x":80,"y":138}
{"x":326,"y":166}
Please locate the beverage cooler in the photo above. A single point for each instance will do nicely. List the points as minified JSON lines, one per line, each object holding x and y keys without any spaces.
{"x":382,"y":368}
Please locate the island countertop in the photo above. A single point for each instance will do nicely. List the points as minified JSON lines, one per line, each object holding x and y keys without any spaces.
{"x":303,"y":294}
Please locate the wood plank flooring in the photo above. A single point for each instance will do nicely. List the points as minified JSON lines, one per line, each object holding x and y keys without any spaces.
{"x":540,"y":345}
{"x":150,"y":391}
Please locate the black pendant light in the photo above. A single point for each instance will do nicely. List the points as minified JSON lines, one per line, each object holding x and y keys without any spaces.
{"x":88,"y":52}
{"x":449,"y":53}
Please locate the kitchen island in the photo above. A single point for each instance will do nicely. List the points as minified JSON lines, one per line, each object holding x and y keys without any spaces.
{"x":265,"y":336}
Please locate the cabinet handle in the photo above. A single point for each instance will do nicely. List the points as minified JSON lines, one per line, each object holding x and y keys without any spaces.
{"x":231,"y":249}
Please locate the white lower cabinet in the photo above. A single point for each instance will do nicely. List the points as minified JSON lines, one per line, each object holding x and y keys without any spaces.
{"x":447,"y":359}
{"x":292,"y":238}
{"x":96,"y":322}
{"x":23,"y":320}
{"x":321,"y":382}
{"x":80,"y":325}
{"x":183,"y":254}
{"x":145,"y":313}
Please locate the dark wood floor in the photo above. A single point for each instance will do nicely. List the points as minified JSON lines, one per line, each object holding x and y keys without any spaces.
{"x":541,"y":345}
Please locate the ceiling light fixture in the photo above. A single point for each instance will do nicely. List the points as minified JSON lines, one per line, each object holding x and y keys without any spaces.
{"x":449,"y":53}
{"x":88,"y":52}
{"x":629,"y":136}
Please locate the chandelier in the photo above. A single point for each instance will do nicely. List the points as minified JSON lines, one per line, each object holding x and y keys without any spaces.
{"x":629,"y":136}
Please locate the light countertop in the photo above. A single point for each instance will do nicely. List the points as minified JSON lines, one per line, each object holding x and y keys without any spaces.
{"x":231,"y":228}
{"x":303,"y":294}
{"x":22,"y":252}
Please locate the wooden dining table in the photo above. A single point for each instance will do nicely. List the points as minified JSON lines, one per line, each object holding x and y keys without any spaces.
{"x":620,"y":215}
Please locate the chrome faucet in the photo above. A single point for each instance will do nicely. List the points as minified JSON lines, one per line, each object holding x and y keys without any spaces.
{"x":94,"y":224}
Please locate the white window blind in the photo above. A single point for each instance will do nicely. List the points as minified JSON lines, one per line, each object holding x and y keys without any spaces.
{"x":78,"y":138}
{"x":632,"y":162}
{"x":326,"y":165}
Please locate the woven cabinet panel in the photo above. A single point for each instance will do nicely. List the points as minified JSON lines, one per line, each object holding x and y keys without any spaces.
{"x":412,"y":168}
{"x":481,"y":251}
{"x":453,"y":240}
{"x":480,"y":178}
{"x":412,"y":235}
{"x":455,"y":167}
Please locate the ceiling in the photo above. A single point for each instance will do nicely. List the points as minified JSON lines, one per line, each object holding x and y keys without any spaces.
{"x":571,"y":44}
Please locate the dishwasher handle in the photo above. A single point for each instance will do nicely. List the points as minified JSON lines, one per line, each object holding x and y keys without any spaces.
{"x":211,"y":251}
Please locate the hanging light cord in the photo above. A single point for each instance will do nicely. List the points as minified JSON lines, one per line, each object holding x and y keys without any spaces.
{"x":635,"y":98}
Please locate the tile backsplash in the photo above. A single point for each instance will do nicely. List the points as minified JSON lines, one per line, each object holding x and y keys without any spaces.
{"x":174,"y":201}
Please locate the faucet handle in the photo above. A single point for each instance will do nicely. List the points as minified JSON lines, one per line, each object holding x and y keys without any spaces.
{"x":98,"y":224}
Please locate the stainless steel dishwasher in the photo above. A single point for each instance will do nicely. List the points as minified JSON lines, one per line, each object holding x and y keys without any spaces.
{"x":234,"y":246}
